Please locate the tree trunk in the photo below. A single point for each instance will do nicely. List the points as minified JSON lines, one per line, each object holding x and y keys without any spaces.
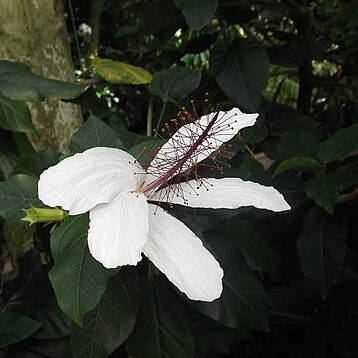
{"x":34,"y":32}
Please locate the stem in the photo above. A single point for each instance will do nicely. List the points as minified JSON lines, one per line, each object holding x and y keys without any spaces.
{"x":150,"y":116}
{"x":95,"y":23}
{"x":160,"y":119}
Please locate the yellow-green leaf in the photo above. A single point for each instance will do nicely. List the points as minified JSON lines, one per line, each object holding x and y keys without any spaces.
{"x":120,"y":72}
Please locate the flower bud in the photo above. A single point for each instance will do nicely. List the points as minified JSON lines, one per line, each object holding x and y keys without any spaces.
{"x":42,"y":215}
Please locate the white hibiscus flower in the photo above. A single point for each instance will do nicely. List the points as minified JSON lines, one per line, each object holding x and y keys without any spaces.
{"x":110,"y":184}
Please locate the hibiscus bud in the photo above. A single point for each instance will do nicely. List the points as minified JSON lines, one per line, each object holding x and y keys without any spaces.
{"x":41,"y":215}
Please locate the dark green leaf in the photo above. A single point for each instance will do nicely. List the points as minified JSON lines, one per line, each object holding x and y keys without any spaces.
{"x":97,"y":105}
{"x":249,"y":168}
{"x":37,"y":300}
{"x":197,"y":13}
{"x":243,"y":302}
{"x":18,"y":83}
{"x":175,"y":83}
{"x":36,"y":163}
{"x":324,"y":190}
{"x":14,"y":115}
{"x":15,"y":328}
{"x":255,"y":250}
{"x":162,"y":328}
{"x":345,"y":343}
{"x":40,"y":348}
{"x":212,"y":339}
{"x":321,"y":248}
{"x":144,"y":152}
{"x":283,"y":118}
{"x":78,"y":280}
{"x":297,"y":144}
{"x":129,"y":138}
{"x":120,"y":72}
{"x":17,"y":193}
{"x":255,"y":134}
{"x":297,"y":163}
{"x":110,"y":323}
{"x":94,"y":133}
{"x":241,"y":71}
{"x":7,"y":163}
{"x":171,"y":19}
{"x":343,"y":143}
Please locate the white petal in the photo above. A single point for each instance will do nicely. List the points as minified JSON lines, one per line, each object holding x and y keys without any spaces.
{"x":229,"y":193}
{"x":119,"y":230}
{"x":225,"y":127}
{"x":80,"y":182}
{"x":180,"y":255}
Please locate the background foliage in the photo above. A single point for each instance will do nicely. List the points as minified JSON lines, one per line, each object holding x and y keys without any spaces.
{"x":291,"y":279}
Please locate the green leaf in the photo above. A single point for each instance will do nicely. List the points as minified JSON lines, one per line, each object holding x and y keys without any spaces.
{"x":144,"y":152}
{"x":171,"y":19}
{"x":35,"y":298}
{"x":175,"y":83}
{"x":111,"y":322}
{"x":18,"y":83}
{"x":324,"y":190}
{"x":343,"y":143}
{"x":254,"y":249}
{"x":297,"y":163}
{"x":17,"y":193}
{"x":241,"y":71}
{"x":283,"y":118}
{"x":15,"y":115}
{"x":197,"y":13}
{"x":321,"y":248}
{"x":15,"y":328}
{"x":255,"y":134}
{"x":297,"y":144}
{"x":162,"y":328}
{"x":94,"y":133}
{"x":120,"y":72}
{"x":78,"y":280}
{"x":36,"y":163}
{"x":7,"y":163}
{"x":242,"y":304}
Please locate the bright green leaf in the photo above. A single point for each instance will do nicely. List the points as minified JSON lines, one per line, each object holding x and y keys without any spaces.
{"x":18,"y":83}
{"x":120,"y":72}
{"x":36,"y":163}
{"x":175,"y":83}
{"x":321,"y":248}
{"x":241,"y":71}
{"x":94,"y":133}
{"x":324,"y":190}
{"x":197,"y":13}
{"x":17,"y":193}
{"x":162,"y":327}
{"x":343,"y":143}
{"x":15,"y":328}
{"x":110,"y":323}
{"x":14,"y":115}
{"x":79,"y":281}
{"x":297,"y":163}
